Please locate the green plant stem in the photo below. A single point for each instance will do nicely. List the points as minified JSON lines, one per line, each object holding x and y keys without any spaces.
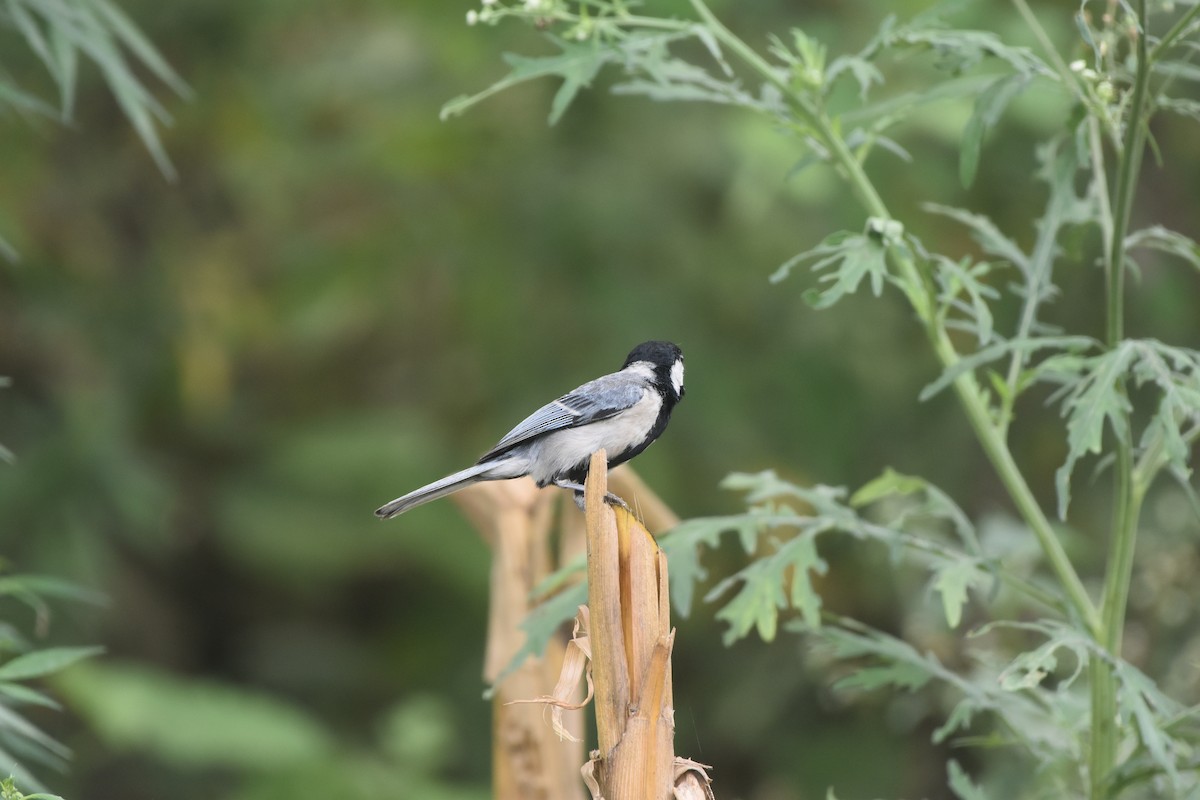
{"x":973,"y":399}
{"x":1127,"y":496}
{"x":975,"y":405}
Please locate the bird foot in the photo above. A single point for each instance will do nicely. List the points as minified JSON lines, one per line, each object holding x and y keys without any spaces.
{"x":577,"y":488}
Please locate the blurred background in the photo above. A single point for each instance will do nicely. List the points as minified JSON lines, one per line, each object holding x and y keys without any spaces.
{"x":216,"y":380}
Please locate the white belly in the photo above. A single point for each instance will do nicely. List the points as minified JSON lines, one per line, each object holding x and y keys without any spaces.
{"x":558,"y":452}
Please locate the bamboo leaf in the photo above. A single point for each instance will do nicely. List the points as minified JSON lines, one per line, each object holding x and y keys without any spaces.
{"x":18,"y":693}
{"x":130,"y":36}
{"x":44,"y":662}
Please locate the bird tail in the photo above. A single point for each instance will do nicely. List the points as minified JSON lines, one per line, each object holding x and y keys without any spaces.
{"x":451,"y":483}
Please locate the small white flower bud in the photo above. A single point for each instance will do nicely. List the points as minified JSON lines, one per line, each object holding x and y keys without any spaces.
{"x":1078,"y":65}
{"x":472,"y":17}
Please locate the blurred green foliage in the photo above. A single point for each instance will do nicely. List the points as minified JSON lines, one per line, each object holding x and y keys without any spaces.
{"x":216,"y":379}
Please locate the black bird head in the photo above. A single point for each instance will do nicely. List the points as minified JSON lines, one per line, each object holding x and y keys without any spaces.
{"x":666,"y":359}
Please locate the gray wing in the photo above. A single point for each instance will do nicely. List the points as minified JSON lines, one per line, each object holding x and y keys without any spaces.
{"x":595,"y":400}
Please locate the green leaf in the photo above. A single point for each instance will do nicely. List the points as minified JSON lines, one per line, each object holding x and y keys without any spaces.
{"x":43,"y":662}
{"x":44,"y":747}
{"x":1177,"y":69}
{"x":1165,"y":240}
{"x":929,"y":499}
{"x":756,"y":605}
{"x":1143,"y":702}
{"x":900,"y":675}
{"x":66,"y":69}
{"x":960,"y":783}
{"x":958,"y":719}
{"x":985,"y":232}
{"x":762,"y":593}
{"x":1175,"y":372}
{"x":541,"y":624}
{"x":853,"y":257}
{"x":684,"y":544}
{"x":130,"y":36}
{"x":863,"y":71}
{"x":192,"y":723}
{"x":20,"y":100}
{"x":991,"y":353}
{"x":577,"y":64}
{"x":23,"y":694}
{"x":951,"y":582}
{"x":958,"y":277}
{"x":1095,"y":399}
{"x":888,"y":484}
{"x":49,"y":586}
{"x":989,"y":107}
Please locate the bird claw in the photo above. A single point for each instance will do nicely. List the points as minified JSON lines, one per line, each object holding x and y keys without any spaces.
{"x":577,"y":489}
{"x":614,"y":500}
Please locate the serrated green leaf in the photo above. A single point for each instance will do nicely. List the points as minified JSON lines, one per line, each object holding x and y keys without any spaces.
{"x":1095,"y":399}
{"x":959,"y":718}
{"x":863,"y":71}
{"x":762,"y":593}
{"x":683,"y":546}
{"x":44,"y":662}
{"x":756,"y":605}
{"x":996,"y":351}
{"x":1175,"y":371}
{"x":852,"y":257}
{"x":1144,"y":703}
{"x":960,"y":783}
{"x":900,"y":675}
{"x":951,"y":583}
{"x":958,"y":277}
{"x":577,"y":64}
{"x":926,"y":499}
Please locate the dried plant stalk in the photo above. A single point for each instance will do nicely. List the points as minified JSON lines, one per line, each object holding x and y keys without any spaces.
{"x":627,"y":618}
{"x":529,"y":760}
{"x":631,"y":638}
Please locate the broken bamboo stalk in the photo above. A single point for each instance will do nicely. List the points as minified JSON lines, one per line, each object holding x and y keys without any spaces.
{"x":630,"y":639}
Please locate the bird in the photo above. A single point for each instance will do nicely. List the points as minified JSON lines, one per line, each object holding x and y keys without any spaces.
{"x":622,"y":412}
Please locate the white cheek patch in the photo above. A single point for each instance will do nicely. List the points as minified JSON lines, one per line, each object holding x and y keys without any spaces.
{"x":677,"y":376}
